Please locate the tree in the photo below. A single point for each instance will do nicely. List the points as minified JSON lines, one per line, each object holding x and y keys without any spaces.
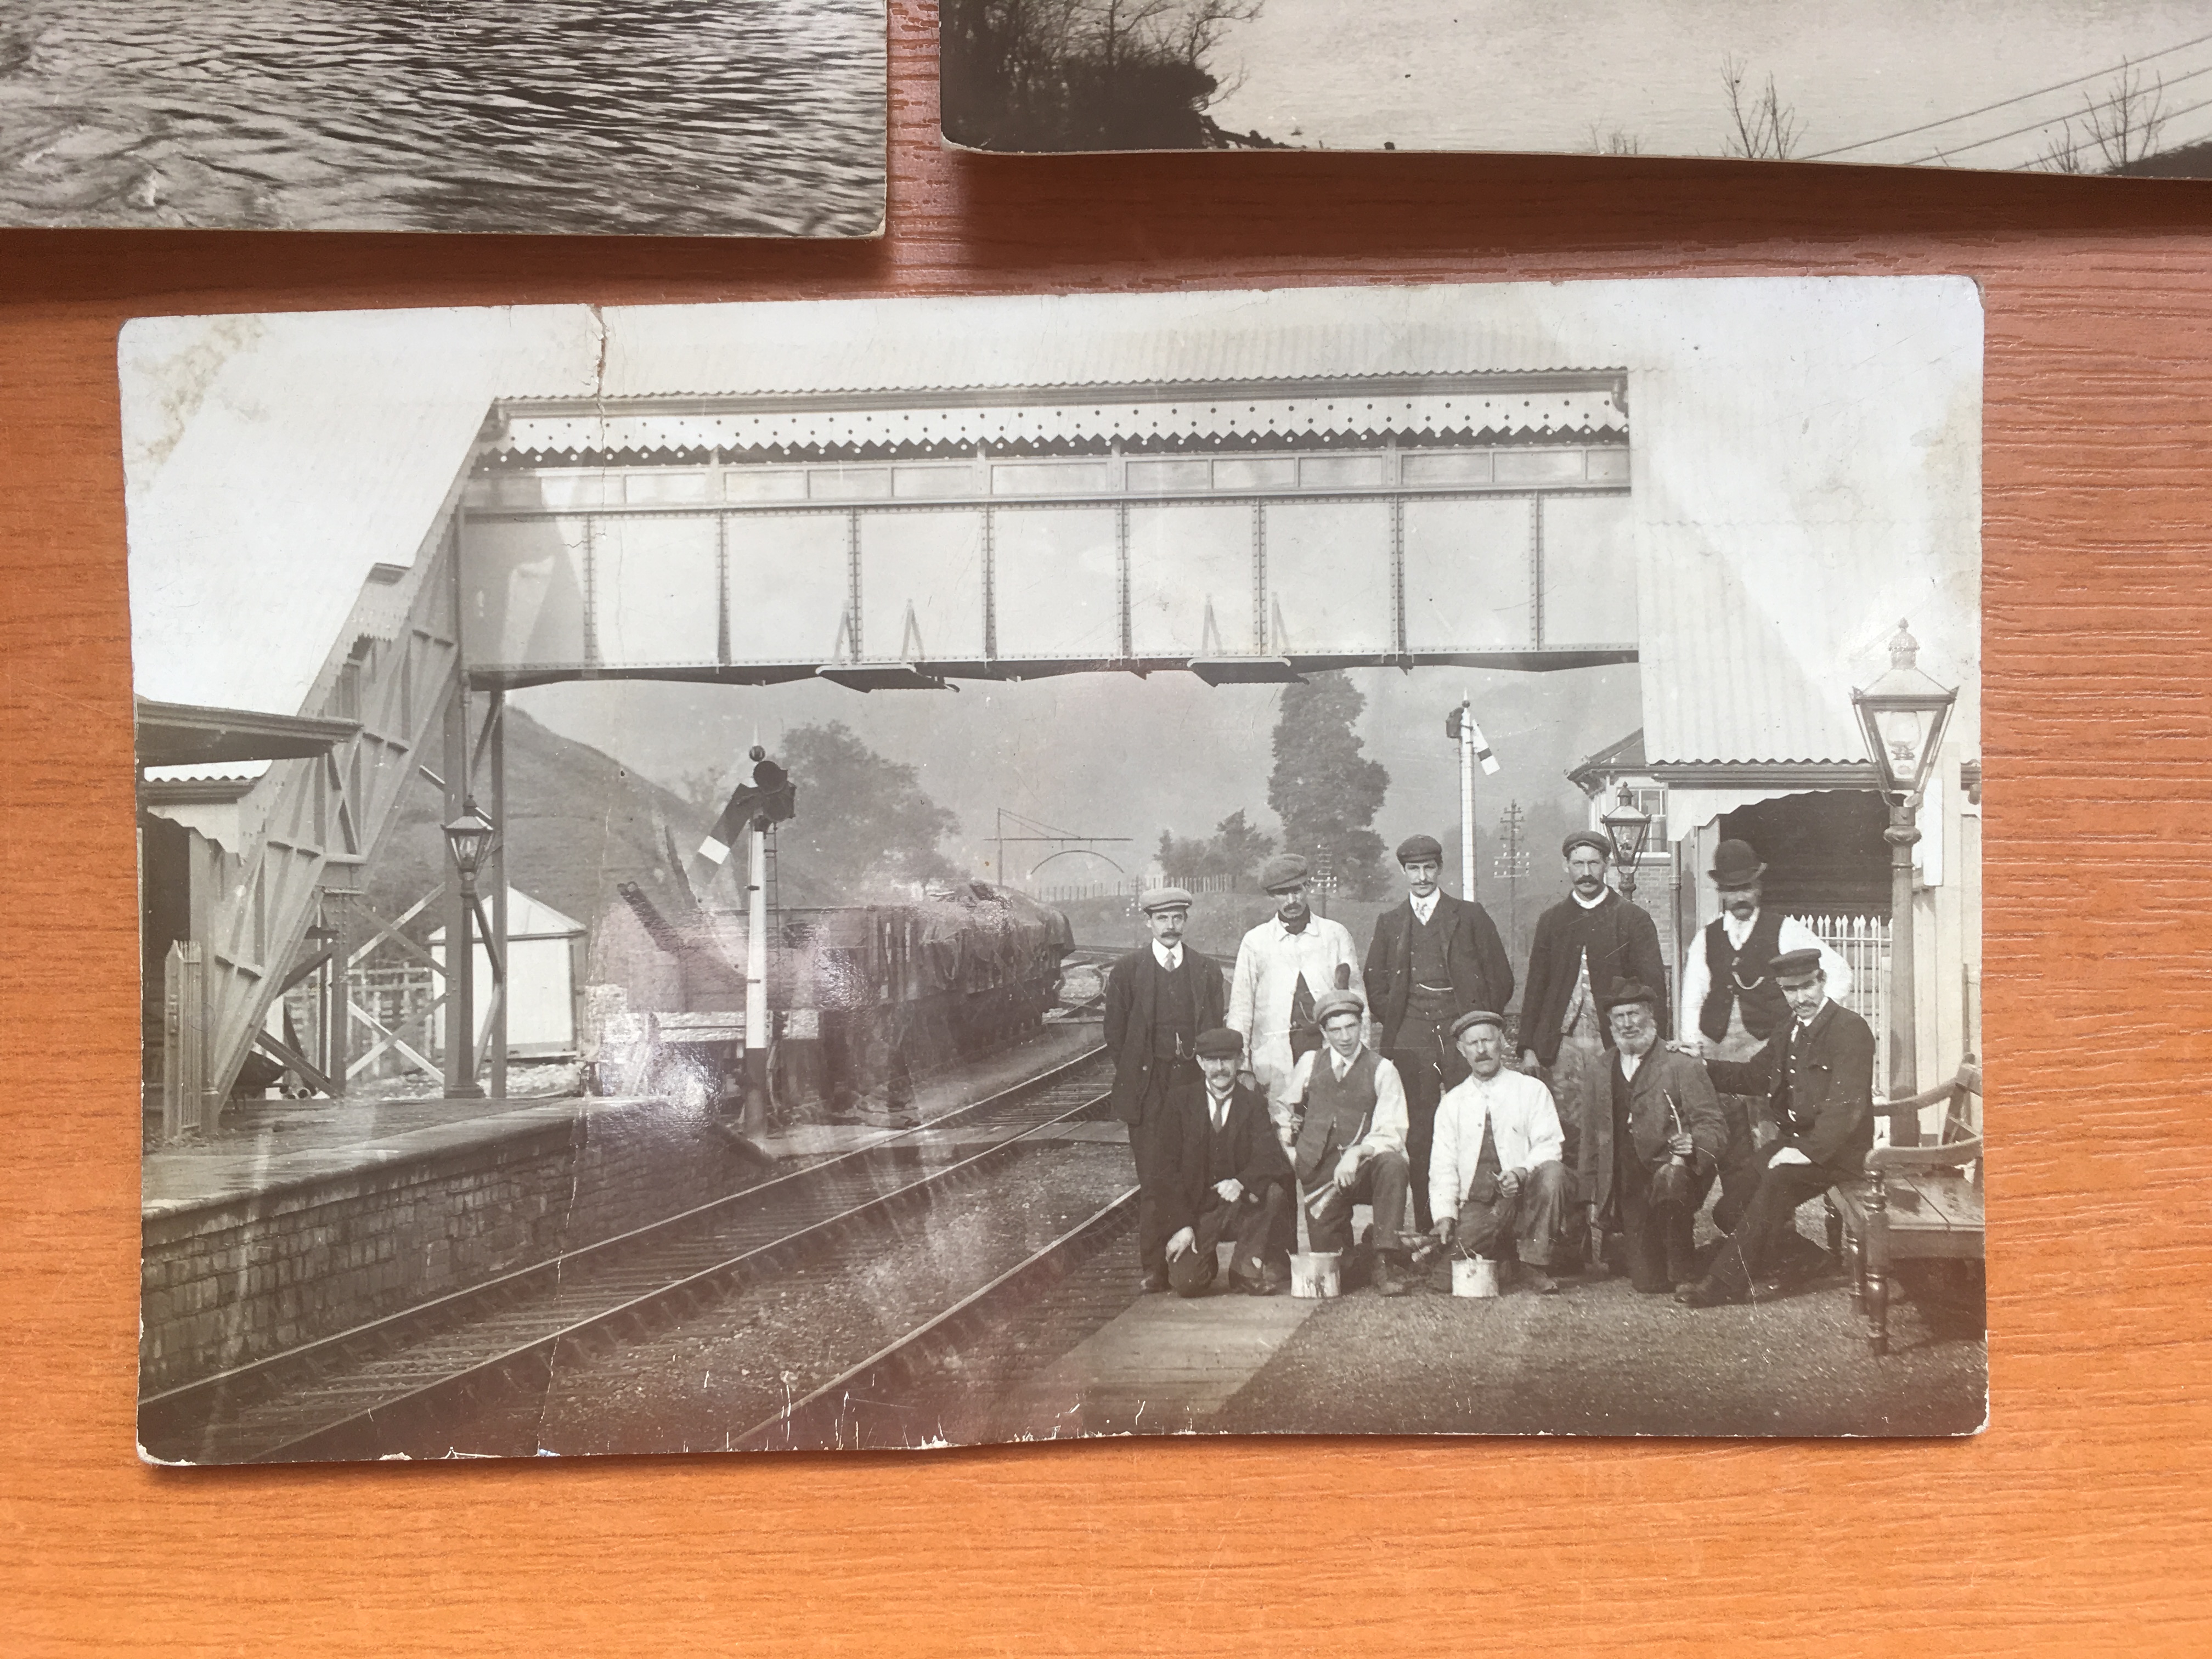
{"x":1084,"y":74}
{"x":1763,"y":129}
{"x":863,"y":819}
{"x":1324,"y":790}
{"x":1231,"y":851}
{"x":2123,"y":125}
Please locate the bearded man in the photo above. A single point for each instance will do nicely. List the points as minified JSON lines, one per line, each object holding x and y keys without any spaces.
{"x":1650,"y":1157}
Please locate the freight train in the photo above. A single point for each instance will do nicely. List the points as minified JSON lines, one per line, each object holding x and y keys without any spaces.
{"x":862,"y":999}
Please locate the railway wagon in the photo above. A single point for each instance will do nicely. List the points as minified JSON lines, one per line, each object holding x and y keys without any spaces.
{"x":862,"y":999}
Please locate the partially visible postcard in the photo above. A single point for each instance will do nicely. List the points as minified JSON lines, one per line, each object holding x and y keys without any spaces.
{"x":660,"y":118}
{"x":1997,"y":85}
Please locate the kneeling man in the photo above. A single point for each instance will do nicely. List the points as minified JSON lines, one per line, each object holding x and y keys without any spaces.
{"x":1814,"y":1078}
{"x":1347,"y":1110}
{"x":1651,"y":1159}
{"x":1232,"y":1179}
{"x":1495,"y":1177}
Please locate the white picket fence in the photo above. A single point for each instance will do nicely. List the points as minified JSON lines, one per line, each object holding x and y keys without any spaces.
{"x":1863,"y":943}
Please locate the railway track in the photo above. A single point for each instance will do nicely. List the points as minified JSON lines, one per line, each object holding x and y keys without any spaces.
{"x":398,"y":1380}
{"x":871,"y":1405}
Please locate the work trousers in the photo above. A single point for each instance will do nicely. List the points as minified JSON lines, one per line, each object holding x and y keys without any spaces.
{"x":1740,"y":1158}
{"x":1248,"y":1224}
{"x":1381,"y":1182}
{"x":1531,"y":1214}
{"x":1156,"y":1144}
{"x":1658,"y":1237}
{"x":1755,"y":1248}
{"x":1581,"y":1081}
{"x":1427,"y":1066}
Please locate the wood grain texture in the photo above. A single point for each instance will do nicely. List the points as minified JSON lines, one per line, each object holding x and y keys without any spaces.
{"x":2078,"y":1523}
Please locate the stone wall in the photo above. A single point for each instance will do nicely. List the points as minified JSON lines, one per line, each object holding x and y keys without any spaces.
{"x":235,"y":1280}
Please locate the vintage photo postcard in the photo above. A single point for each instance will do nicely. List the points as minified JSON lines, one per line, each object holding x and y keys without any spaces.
{"x":666,"y":118}
{"x":899,"y":874}
{"x":2119,"y":87}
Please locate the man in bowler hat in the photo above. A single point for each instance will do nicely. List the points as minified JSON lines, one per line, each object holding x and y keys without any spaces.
{"x":1731,"y":1005}
{"x":1159,"y":998}
{"x":1432,"y":958}
{"x":1232,"y":1177}
{"x":1814,"y":1078}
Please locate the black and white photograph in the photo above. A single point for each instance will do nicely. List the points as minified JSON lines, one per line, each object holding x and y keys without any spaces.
{"x":639,"y":118}
{"x":2113,"y":87}
{"x":903,"y":874}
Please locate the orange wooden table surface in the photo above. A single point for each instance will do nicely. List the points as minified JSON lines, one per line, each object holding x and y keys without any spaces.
{"x":2079,"y":1521}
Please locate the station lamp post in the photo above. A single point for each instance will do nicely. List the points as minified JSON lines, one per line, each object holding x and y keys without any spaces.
{"x":1628,"y":824}
{"x":470,"y":836}
{"x":1903,"y":714}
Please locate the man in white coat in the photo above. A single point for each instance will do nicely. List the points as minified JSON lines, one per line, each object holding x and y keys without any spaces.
{"x":1495,"y":1178}
{"x":1285,"y":966}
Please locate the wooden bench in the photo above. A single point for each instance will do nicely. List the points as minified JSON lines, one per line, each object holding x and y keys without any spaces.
{"x":1916,"y":1204}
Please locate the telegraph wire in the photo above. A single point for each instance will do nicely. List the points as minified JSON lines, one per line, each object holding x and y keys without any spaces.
{"x":2057,"y":86}
{"x":2035,"y":126}
{"x":2206,"y":103}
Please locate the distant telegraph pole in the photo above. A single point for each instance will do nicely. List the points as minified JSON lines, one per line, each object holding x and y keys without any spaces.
{"x":1512,"y":865}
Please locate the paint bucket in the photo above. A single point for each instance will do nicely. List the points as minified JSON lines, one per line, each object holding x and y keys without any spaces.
{"x":1317,"y":1273}
{"x":1474,"y":1276}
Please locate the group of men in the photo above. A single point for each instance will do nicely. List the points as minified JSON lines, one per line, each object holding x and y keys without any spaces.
{"x":1319,"y":1080}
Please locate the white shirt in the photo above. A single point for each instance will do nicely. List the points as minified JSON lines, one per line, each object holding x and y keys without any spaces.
{"x":1218,"y":1106}
{"x":1169,"y":957}
{"x":1629,"y":1063}
{"x":1269,"y":964}
{"x":1521,"y":1115}
{"x":1387,"y":1133}
{"x":1424,"y":907}
{"x":1698,"y":979}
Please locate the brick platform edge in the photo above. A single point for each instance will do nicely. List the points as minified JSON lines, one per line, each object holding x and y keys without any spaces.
{"x":235,"y":1278}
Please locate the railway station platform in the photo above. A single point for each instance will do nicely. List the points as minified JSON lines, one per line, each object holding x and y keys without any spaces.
{"x":301,"y":1219}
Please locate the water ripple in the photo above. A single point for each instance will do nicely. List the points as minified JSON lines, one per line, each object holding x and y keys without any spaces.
{"x":644,"y":117}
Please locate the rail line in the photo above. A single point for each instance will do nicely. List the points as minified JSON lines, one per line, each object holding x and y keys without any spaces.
{"x":864,"y":1408}
{"x":354,"y":1393}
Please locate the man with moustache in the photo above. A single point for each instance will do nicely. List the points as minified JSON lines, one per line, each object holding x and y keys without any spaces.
{"x":1815,"y":1077}
{"x":1159,"y":998}
{"x":1432,"y":958}
{"x":1284,"y":966}
{"x":1731,"y":1005}
{"x":1231,"y":1178}
{"x":1650,"y":1159}
{"x":1495,"y":1181}
{"x":1583,"y":944}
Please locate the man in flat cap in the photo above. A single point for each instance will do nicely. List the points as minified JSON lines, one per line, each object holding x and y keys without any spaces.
{"x":1232,"y":1177}
{"x":1583,"y":943}
{"x":1496,"y":1184}
{"x":1348,"y":1119}
{"x":1432,"y":958}
{"x":1814,"y":1078}
{"x":1283,"y":967}
{"x":1731,"y":1005}
{"x":1159,"y":998}
{"x":1650,"y":1158}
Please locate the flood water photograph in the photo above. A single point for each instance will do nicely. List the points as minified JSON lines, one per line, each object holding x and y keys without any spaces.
{"x":756,"y":117}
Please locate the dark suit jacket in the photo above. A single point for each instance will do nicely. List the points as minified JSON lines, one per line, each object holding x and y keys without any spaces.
{"x":1481,"y":974}
{"x":1255,"y":1153}
{"x":1623,"y":942}
{"x":1130,"y":987}
{"x":1818,"y":1087}
{"x":1663,"y":1074}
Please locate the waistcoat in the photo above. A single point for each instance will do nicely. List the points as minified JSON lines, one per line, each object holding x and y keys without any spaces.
{"x":1431,"y":963}
{"x":1743,"y":973}
{"x":1337,"y":1113}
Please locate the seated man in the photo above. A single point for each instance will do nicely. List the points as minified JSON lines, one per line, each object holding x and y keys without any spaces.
{"x":1232,"y":1179}
{"x":1347,"y":1113}
{"x":1495,"y":1179}
{"x":1814,"y":1079}
{"x":1650,"y":1161}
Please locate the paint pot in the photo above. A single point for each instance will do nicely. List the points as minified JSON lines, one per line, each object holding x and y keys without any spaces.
{"x":1317,"y":1273}
{"x":1474,"y":1276}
